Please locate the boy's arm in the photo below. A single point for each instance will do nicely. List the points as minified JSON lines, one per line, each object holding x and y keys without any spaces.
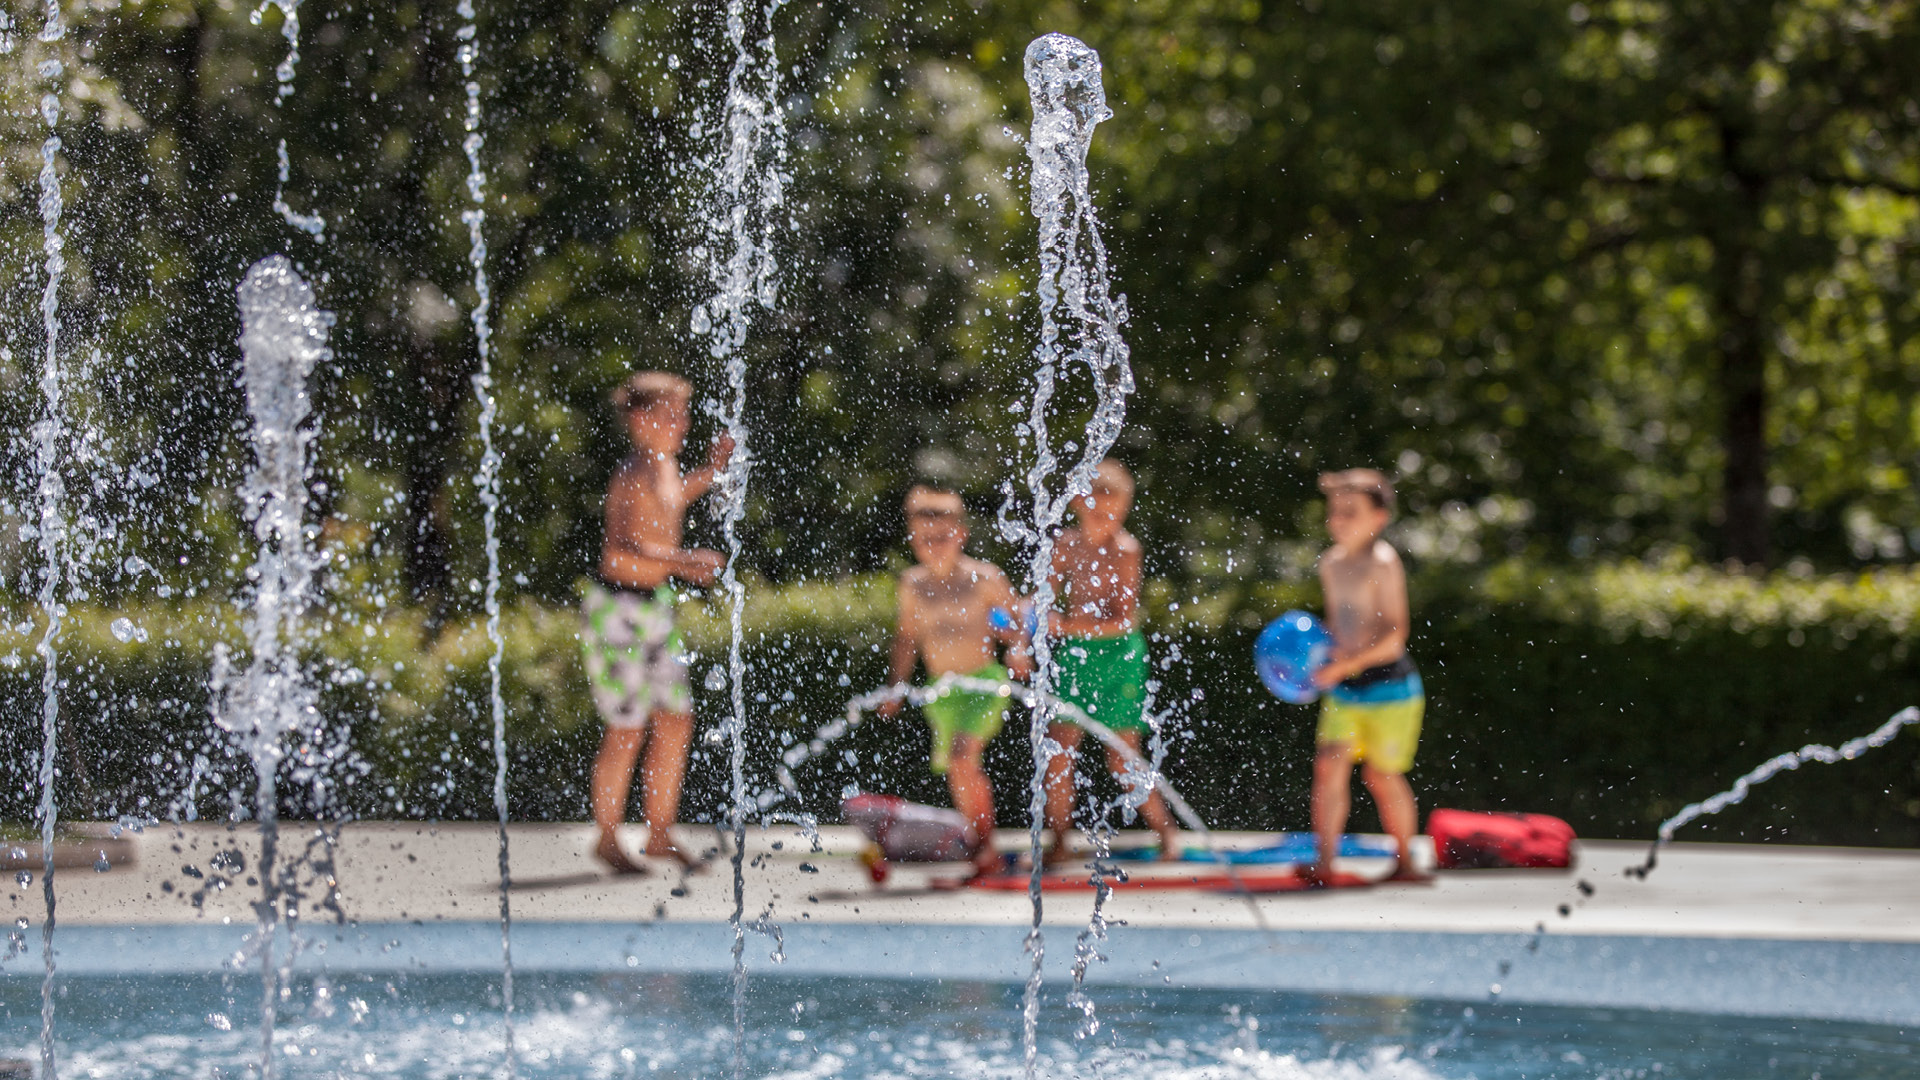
{"x":699,"y":481}
{"x":905,"y":650}
{"x":1019,"y":650}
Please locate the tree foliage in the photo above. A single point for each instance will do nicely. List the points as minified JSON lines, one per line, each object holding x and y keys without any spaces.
{"x":1600,"y":277}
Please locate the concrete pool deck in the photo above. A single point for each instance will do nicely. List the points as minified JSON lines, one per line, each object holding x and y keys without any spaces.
{"x":1750,"y":929}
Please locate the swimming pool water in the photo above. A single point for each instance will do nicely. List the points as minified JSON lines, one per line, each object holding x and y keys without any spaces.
{"x":441,"y":1027}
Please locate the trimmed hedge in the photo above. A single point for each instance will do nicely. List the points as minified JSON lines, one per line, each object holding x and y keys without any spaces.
{"x":1610,"y":695}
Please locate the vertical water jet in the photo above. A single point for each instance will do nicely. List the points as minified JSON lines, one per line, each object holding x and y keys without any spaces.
{"x":284,"y":334}
{"x":487,"y":481}
{"x":747,"y":188}
{"x":1080,"y":324}
{"x":312,"y":224}
{"x":50,"y":436}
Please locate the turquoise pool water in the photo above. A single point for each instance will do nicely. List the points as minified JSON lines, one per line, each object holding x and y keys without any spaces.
{"x":440,"y":1027}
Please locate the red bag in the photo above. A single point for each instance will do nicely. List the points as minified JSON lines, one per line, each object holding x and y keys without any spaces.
{"x":1468,"y":840}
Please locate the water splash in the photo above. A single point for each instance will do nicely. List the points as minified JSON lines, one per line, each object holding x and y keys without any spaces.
{"x":312,"y":224}
{"x":747,"y":179}
{"x":284,"y":334}
{"x":1767,"y":770}
{"x":50,"y":435}
{"x":1079,"y":324}
{"x":487,"y":480}
{"x":1141,"y":780}
{"x":1027,"y":696}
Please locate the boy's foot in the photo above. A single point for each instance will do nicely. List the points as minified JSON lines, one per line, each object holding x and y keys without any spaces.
{"x":987,"y":863}
{"x":666,"y":849}
{"x":1408,"y":874}
{"x":1170,"y":850}
{"x":1315,"y":875}
{"x":609,"y":852}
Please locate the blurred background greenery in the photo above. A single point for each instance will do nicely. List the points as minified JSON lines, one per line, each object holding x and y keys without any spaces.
{"x":1625,"y":295}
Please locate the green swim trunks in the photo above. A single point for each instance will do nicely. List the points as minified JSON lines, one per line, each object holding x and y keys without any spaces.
{"x":636,"y":661}
{"x":965,"y":712}
{"x":1107,"y":677}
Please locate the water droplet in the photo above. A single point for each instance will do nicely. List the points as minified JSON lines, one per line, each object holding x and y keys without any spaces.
{"x":24,"y":878}
{"x":124,"y":630}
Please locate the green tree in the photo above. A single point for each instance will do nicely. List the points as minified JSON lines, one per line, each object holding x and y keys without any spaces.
{"x":1765,"y":159}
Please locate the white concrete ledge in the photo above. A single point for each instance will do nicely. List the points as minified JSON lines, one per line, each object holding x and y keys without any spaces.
{"x":1732,"y":929}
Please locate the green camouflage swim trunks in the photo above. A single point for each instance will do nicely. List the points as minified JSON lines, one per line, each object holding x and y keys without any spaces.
{"x":636,"y":661}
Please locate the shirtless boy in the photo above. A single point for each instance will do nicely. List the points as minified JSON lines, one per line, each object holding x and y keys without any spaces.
{"x":1101,"y":653}
{"x":1372,"y":700}
{"x":946,"y":606}
{"x":635,"y":658}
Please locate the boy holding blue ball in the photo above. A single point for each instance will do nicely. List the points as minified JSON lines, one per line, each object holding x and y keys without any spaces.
{"x":1372,"y":700}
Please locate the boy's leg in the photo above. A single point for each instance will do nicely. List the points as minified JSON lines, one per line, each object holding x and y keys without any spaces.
{"x":666,"y":769}
{"x":612,"y":776}
{"x":1154,"y":810}
{"x":1399,"y":815}
{"x":1392,"y":733}
{"x":1060,"y":788}
{"x":1332,"y":801}
{"x":973,"y":797}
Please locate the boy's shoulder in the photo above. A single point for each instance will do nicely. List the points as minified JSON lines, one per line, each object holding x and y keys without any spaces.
{"x":981,"y":569}
{"x":1075,"y":538}
{"x":1384,"y":554}
{"x":633,"y":471}
{"x":1380,"y":556}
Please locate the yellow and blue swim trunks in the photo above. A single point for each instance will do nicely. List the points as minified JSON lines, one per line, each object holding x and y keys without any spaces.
{"x":1378,"y":713}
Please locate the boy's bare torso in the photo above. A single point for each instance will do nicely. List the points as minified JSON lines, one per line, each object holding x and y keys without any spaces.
{"x":1366,"y":596}
{"x":948,"y":617}
{"x":646,"y":513}
{"x":1099,"y":583}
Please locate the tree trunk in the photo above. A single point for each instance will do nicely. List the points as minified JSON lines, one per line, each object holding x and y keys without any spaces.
{"x":1743,"y":360}
{"x":1743,"y":388}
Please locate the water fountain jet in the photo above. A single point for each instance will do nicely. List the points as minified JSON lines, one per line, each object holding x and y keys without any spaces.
{"x":747,"y":186}
{"x":50,"y":436}
{"x":487,"y":482}
{"x":284,"y":335}
{"x":1064,"y":83}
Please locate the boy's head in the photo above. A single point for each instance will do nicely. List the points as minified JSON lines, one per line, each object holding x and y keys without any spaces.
{"x":1102,"y":512}
{"x":655,"y":408}
{"x":936,"y":526}
{"x":1359,"y":505}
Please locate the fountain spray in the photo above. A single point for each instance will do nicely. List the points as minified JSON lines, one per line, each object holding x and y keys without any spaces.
{"x":312,"y":224}
{"x":487,"y":480}
{"x":1064,"y":83}
{"x":50,"y":435}
{"x":747,"y":175}
{"x":1767,"y":770}
{"x":748,"y":188}
{"x":1742,"y":787}
{"x":284,"y":334}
